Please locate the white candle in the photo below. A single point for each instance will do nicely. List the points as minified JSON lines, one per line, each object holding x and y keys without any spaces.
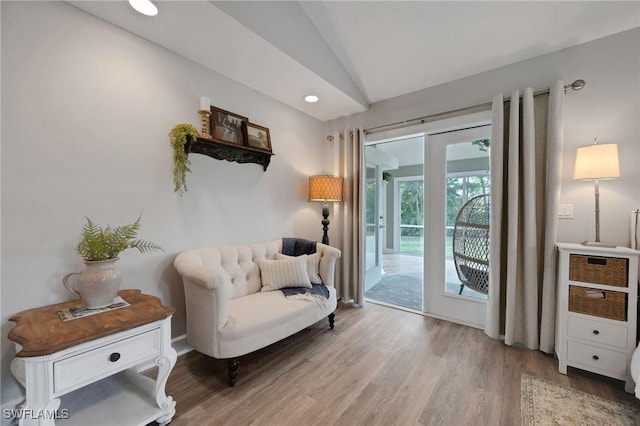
{"x":205,"y":103}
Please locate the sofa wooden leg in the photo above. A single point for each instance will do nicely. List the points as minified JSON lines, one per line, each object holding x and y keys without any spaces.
{"x":332,"y":317}
{"x":233,"y":371}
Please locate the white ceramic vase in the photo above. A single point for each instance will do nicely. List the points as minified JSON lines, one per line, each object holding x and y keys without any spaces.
{"x":97,"y":285}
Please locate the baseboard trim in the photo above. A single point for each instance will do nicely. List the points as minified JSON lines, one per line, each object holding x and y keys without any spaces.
{"x":181,"y":345}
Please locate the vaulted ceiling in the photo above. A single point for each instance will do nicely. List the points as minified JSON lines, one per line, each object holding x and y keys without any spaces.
{"x":351,"y":54}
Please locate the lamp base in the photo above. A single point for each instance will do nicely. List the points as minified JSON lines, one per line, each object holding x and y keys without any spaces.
{"x":325,"y":223}
{"x":598,"y":244}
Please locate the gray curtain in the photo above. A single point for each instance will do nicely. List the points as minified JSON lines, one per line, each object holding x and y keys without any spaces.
{"x":526,"y":166}
{"x":350,"y":283}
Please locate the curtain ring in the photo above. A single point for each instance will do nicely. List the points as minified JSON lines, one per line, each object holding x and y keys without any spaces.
{"x":330,"y":138}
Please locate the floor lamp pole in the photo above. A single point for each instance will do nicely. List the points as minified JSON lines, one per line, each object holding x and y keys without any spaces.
{"x":325,"y":223}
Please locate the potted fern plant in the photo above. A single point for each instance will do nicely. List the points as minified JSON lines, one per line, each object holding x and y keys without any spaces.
{"x":100,"y":247}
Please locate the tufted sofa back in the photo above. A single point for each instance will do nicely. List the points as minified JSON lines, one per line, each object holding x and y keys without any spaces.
{"x":238,"y":262}
{"x":233,"y":270}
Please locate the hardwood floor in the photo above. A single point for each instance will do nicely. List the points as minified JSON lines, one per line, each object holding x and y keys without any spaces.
{"x":379,"y":366}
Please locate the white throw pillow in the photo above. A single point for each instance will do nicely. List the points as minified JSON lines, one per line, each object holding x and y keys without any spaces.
{"x":313,"y":266}
{"x":277,"y":274}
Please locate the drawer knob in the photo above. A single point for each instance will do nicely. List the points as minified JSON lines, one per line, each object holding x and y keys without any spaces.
{"x":114,"y":357}
{"x":596,"y":332}
{"x":596,"y":357}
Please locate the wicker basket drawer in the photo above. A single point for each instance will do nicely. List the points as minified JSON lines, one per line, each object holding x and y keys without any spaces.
{"x":599,"y":270}
{"x":599,"y":303}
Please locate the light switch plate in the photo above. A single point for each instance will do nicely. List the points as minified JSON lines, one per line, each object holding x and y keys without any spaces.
{"x":565,"y":211}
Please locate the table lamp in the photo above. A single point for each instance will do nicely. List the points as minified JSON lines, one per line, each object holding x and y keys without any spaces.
{"x":325,"y":189}
{"x":597,"y":162}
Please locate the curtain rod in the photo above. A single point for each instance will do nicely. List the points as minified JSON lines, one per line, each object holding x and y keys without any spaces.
{"x":576,"y":85}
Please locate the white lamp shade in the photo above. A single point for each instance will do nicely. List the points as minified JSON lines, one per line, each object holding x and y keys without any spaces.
{"x":597,"y":161}
{"x":325,"y":188}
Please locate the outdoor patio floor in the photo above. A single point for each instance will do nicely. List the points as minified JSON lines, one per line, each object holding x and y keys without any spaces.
{"x":407,"y":292}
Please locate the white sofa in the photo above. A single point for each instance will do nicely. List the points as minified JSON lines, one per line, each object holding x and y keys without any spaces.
{"x":228,"y":314}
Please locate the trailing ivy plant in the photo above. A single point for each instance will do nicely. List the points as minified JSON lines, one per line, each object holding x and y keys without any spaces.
{"x":178,"y":137}
{"x":97,"y":243}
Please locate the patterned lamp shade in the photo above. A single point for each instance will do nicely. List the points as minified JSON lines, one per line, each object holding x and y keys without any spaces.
{"x":325,"y":188}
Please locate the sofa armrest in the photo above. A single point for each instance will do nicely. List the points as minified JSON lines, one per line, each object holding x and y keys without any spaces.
{"x":206,"y":292}
{"x":328,"y":259}
{"x":204,"y":276}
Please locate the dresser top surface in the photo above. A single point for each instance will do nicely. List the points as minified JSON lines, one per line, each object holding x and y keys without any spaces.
{"x":40,"y":331}
{"x":600,"y":250}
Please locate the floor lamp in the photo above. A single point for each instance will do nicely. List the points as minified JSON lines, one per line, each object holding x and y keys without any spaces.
{"x":326,"y":189}
{"x":597,"y":162}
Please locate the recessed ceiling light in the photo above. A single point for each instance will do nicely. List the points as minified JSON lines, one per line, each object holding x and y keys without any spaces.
{"x":311,"y":98}
{"x":144,"y":6}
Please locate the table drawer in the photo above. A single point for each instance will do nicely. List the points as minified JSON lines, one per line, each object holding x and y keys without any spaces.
{"x":601,"y":359}
{"x":105,"y":360}
{"x":596,"y":331}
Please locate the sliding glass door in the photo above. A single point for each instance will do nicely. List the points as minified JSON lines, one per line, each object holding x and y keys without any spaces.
{"x":456,"y":243}
{"x":395,"y":217}
{"x":435,"y":254}
{"x":373,"y":225}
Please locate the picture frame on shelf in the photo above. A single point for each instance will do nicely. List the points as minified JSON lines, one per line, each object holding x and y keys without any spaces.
{"x":228,"y":127}
{"x":258,"y":137}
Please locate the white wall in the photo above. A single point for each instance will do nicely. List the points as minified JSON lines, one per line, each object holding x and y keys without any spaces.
{"x":607,"y":108}
{"x":86,"y":111}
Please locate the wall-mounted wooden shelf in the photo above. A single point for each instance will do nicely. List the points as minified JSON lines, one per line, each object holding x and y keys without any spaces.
{"x":228,"y":151}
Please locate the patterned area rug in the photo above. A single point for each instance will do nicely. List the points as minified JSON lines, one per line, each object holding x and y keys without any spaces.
{"x":401,"y":290}
{"x":547,"y":403}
